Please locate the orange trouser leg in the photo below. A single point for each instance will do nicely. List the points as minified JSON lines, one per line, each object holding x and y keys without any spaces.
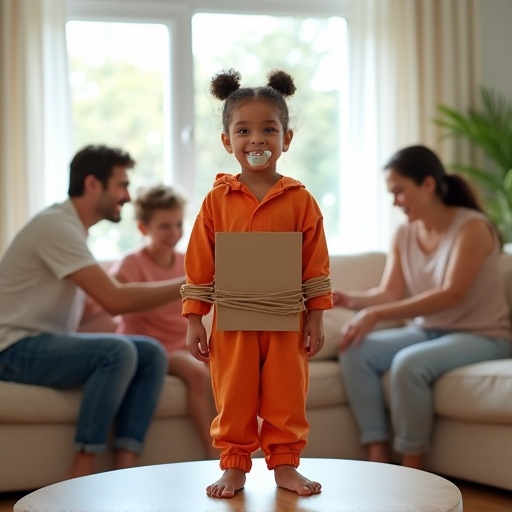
{"x":284,"y":385}
{"x":259,"y":373}
{"x":235,"y":372}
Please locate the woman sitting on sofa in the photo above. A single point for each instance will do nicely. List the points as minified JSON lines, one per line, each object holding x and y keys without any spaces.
{"x":443,"y":273}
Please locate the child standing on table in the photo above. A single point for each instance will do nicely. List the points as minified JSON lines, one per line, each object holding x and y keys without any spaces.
{"x":256,"y":373}
{"x":159,"y":214}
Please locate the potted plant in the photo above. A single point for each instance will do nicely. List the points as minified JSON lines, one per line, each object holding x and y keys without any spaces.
{"x":489,"y":128}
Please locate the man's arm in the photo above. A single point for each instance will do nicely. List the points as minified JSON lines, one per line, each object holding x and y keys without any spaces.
{"x":118,"y":298}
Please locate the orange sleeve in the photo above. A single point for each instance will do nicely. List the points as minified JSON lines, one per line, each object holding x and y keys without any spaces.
{"x":200,"y":258}
{"x":315,"y":257}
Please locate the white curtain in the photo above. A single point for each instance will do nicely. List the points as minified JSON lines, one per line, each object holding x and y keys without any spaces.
{"x":35,"y":110}
{"x":405,"y":57}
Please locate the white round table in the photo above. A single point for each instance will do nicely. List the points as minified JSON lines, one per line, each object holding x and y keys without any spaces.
{"x":347,"y":486}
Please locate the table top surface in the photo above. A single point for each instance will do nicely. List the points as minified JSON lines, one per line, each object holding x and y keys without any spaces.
{"x":347,"y":485}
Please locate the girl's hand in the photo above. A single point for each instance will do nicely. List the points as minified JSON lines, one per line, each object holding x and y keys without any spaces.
{"x":197,"y":342}
{"x":314,"y":332}
{"x":355,"y":330}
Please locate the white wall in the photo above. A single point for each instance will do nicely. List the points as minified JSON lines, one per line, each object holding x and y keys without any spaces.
{"x":495,"y":19}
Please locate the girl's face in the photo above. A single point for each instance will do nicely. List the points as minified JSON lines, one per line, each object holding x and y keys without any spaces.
{"x":256,"y":136}
{"x":411,"y":198}
{"x":165,"y":228}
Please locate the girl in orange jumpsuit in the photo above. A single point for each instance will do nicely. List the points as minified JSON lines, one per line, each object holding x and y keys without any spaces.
{"x":255,"y":374}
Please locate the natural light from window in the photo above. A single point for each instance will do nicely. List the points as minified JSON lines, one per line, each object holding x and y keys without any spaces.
{"x":119,"y":75}
{"x":313,"y":51}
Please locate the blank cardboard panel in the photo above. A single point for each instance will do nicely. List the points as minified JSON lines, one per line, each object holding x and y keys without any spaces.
{"x":257,"y":262}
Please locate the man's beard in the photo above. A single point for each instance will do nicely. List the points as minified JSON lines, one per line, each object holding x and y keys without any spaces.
{"x":108,"y":212}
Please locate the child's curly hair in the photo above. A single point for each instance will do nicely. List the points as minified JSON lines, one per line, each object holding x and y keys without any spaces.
{"x":226,"y":86}
{"x":157,"y":197}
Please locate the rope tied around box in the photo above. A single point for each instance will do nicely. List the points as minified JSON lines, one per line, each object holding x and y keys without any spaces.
{"x":287,"y":302}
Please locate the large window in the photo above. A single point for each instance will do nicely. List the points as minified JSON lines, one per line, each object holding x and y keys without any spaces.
{"x":119,"y":77}
{"x":140,"y":79}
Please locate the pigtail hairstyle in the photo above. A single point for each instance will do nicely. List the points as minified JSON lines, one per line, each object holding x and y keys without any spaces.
{"x":225,"y":83}
{"x":281,"y":82}
{"x":225,"y":86}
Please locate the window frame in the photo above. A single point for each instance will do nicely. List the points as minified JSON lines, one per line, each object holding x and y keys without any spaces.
{"x":177,"y":16}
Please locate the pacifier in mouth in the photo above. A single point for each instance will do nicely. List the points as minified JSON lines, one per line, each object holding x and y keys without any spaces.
{"x":258,"y":157}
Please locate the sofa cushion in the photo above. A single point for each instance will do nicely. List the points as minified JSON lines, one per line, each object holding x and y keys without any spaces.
{"x":38,"y":404}
{"x":352,"y":272}
{"x":333,"y":321}
{"x":478,"y":392}
{"x":325,"y":385}
{"x":24,"y":403}
{"x":358,"y":271}
{"x":506,"y":271}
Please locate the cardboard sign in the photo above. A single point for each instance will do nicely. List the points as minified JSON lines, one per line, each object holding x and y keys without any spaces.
{"x":257,"y":262}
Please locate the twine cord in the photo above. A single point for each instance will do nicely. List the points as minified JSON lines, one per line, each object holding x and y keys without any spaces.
{"x":286,"y":302}
{"x":202,"y":292}
{"x":316,"y":286}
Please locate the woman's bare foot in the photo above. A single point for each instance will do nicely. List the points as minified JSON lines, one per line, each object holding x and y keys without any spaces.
{"x":288,"y":477}
{"x":413,"y":461}
{"x":225,"y":487}
{"x":379,"y":452}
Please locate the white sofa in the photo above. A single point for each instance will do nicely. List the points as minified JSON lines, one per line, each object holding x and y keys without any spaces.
{"x":472,"y":436}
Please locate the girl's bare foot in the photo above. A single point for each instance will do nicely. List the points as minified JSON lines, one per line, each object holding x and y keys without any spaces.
{"x":288,"y":477}
{"x":225,"y":487}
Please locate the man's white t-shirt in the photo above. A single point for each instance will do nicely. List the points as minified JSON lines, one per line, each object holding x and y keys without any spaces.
{"x":35,"y":296}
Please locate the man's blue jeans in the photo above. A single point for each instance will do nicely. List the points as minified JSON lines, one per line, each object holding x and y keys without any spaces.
{"x":415,"y":358}
{"x":122,"y":377}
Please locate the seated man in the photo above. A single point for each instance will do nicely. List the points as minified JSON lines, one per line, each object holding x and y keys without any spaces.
{"x":43,"y":276}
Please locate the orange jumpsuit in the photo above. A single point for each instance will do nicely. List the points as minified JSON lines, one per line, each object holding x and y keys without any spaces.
{"x":258,"y":373}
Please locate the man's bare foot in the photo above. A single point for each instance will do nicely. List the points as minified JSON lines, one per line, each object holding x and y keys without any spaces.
{"x":82,"y":465}
{"x":124,"y":459}
{"x":288,"y":477}
{"x":225,"y":487}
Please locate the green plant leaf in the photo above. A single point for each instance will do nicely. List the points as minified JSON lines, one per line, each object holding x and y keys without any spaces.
{"x":489,"y":129}
{"x":486,"y":178}
{"x":507,"y":184}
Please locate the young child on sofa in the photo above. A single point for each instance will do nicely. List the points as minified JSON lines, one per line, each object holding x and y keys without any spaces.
{"x":159,"y":213}
{"x":257,"y":373}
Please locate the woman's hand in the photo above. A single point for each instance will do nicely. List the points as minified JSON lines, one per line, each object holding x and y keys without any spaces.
{"x":197,"y":342}
{"x":355,"y":330}
{"x":341,"y":300}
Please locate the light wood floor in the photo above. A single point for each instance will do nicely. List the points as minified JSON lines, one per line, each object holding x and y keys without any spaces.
{"x":476,"y":498}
